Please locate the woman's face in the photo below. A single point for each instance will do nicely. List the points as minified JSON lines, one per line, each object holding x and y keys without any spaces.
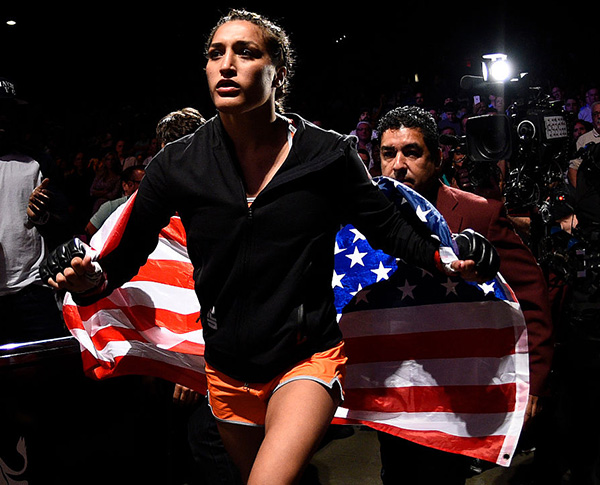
{"x":241,"y":75}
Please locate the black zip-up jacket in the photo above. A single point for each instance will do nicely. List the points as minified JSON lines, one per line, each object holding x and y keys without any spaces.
{"x":263,"y":273}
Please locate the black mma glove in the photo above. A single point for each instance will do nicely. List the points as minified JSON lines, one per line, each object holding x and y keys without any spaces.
{"x":472,"y":245}
{"x":60,"y":259}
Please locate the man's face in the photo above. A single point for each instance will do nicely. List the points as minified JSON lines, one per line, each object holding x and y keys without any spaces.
{"x":596,"y":117}
{"x":578,"y":130}
{"x":131,"y":186}
{"x":557,"y":93}
{"x":571,"y":105}
{"x":406,"y":158}
{"x":592,"y":96}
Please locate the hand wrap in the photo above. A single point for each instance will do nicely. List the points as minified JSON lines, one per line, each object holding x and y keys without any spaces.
{"x":472,"y":245}
{"x":60,"y":259}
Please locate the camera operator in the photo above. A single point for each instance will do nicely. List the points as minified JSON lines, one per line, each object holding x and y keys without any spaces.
{"x":571,"y":428}
{"x":463,"y":173}
{"x":562,"y":227}
{"x":577,"y":365}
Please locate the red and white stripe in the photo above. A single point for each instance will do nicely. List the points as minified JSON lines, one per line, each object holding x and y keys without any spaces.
{"x":452,"y":383}
{"x":151,"y":324}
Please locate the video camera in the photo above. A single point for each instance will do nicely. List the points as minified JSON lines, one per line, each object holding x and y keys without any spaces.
{"x":533,"y":137}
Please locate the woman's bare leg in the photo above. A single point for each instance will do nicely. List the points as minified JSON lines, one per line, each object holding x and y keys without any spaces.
{"x":298,"y":415}
{"x":242,"y":443}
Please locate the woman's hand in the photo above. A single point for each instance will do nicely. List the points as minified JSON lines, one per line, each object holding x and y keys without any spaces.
{"x":478,"y":259}
{"x":70,"y":267}
{"x":467,"y":270}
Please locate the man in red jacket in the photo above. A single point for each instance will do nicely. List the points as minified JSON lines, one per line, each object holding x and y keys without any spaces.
{"x":410,"y":153}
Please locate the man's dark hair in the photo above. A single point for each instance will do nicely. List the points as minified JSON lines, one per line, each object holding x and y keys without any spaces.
{"x":127,"y":174}
{"x":412,"y":117}
{"x":177,"y":124}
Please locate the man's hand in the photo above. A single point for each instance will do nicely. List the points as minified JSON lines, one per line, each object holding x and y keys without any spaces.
{"x":39,"y":201}
{"x":185,"y":395}
{"x":532,"y":409}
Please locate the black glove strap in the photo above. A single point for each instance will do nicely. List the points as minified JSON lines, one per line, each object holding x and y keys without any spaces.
{"x":472,"y":245}
{"x":60,"y":259}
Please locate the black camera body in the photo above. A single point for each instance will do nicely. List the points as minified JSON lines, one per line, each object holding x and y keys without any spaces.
{"x":534,"y":140}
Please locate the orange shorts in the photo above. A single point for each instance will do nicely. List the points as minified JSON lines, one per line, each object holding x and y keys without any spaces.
{"x":246,"y":403}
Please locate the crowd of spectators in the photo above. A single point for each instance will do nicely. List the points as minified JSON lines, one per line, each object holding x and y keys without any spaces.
{"x":86,"y":166}
{"x":453,"y":111}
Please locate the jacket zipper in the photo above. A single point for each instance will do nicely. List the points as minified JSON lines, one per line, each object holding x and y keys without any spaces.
{"x":246,"y":246}
{"x":248,"y":237}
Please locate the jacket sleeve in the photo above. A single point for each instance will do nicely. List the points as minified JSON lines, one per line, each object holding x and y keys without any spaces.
{"x":150,"y":212}
{"x":382,"y":223}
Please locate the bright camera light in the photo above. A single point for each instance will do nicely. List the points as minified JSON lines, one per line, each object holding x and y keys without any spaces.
{"x":500,"y":70}
{"x":495,"y":67}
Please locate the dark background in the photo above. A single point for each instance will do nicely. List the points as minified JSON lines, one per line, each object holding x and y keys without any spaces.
{"x":85,"y":66}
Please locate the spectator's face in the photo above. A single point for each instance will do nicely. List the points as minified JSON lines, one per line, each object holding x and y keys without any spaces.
{"x":596,"y":117}
{"x":364,"y":132}
{"x":591,"y":96}
{"x":578,"y":130}
{"x":132,"y":185}
{"x":571,"y":105}
{"x":557,"y":93}
{"x":406,"y":158}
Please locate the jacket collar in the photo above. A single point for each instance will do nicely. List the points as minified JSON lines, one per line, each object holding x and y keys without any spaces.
{"x":313,"y":148}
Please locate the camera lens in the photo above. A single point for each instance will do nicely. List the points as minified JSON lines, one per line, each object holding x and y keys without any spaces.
{"x":526,"y":130}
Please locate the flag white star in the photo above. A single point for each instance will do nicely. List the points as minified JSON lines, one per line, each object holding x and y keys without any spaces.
{"x":407,"y":290}
{"x":422,"y":214}
{"x":356,"y":257}
{"x":487,"y":288}
{"x":381,"y":272}
{"x":337,"y":280}
{"x":357,"y":235}
{"x":450,"y":286}
{"x":353,"y":293}
{"x":337,"y":249}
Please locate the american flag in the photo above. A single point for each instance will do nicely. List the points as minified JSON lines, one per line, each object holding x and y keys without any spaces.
{"x":150,"y":325}
{"x":432,"y":359}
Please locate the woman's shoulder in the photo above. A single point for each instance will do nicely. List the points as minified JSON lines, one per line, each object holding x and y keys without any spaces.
{"x":318,"y":135}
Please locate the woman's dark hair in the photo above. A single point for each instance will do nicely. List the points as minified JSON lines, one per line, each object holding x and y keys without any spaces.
{"x":277,"y":42}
